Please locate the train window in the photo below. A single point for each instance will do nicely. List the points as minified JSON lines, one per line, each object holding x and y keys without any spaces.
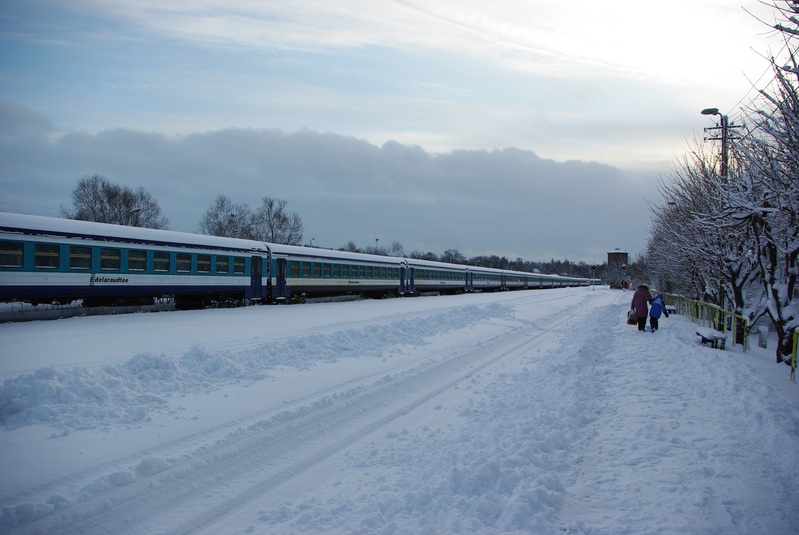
{"x":137,"y":260}
{"x":222,"y":265}
{"x":10,"y":254}
{"x":294,"y":269}
{"x":203,"y":263}
{"x":327,"y":270}
{"x":183,"y":262}
{"x":317,"y":270}
{"x":46,"y":256}
{"x":306,"y":269}
{"x":110,"y":259}
{"x":161,"y":261}
{"x":239,"y":266}
{"x":80,"y":257}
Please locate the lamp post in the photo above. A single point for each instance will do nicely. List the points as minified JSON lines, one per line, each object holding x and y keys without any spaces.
{"x":129,"y":216}
{"x":724,"y":137}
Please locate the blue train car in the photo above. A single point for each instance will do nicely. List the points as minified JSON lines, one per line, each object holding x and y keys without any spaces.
{"x":429,"y":276}
{"x":56,"y":260}
{"x":297,"y":271}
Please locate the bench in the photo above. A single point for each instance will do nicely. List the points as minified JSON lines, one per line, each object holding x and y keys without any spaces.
{"x":717,"y":339}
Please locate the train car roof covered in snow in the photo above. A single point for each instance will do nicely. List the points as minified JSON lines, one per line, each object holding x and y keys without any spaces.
{"x":316,"y":252}
{"x":52,"y":226}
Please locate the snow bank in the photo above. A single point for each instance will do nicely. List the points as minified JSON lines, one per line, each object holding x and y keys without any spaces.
{"x":594,"y":428}
{"x":88,"y":398}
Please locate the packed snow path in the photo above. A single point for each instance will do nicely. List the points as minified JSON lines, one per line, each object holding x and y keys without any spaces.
{"x":499,"y":413}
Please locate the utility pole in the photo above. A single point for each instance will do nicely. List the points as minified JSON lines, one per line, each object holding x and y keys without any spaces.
{"x":724,"y":126}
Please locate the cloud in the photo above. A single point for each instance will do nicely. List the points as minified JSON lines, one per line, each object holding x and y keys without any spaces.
{"x":504,"y":201}
{"x":17,"y":120}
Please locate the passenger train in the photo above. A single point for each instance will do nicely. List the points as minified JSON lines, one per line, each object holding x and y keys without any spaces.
{"x":52,"y":260}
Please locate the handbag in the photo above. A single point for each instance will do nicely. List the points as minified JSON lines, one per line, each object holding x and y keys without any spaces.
{"x":632,"y":319}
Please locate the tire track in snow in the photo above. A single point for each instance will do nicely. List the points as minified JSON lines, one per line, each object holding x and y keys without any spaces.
{"x":249,"y":462}
{"x":427,"y":383}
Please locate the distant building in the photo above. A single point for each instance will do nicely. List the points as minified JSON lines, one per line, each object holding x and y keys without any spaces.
{"x":617,"y":265}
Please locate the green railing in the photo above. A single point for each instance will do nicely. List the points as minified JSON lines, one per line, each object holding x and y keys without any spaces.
{"x":708,"y":315}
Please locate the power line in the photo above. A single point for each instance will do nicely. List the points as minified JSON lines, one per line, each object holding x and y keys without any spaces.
{"x":29,"y":209}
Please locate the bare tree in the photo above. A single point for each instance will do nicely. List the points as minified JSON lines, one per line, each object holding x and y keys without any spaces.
{"x":227,"y":219}
{"x":453,"y":256}
{"x":275,"y":224}
{"x":350,"y":247}
{"x":96,"y":199}
{"x":397,"y":250}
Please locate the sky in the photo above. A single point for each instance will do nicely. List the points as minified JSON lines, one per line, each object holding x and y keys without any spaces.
{"x":529,"y":129}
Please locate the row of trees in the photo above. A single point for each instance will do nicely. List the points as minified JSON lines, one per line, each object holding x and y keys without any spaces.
{"x":729,"y":233}
{"x":271,"y":221}
{"x":96,"y":199}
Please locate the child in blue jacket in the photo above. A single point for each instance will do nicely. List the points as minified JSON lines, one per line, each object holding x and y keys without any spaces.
{"x":658,"y":306}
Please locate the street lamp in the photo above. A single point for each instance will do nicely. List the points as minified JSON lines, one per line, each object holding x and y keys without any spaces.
{"x":130,"y":214}
{"x":724,"y":128}
{"x":311,"y":242}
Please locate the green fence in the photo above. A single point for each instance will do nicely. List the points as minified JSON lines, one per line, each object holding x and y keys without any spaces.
{"x":713,"y":316}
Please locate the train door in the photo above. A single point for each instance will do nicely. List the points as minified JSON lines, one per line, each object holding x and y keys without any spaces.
{"x":403,"y":268}
{"x":256,"y":278}
{"x":469,"y":281}
{"x":280,"y":289}
{"x":411,"y":280}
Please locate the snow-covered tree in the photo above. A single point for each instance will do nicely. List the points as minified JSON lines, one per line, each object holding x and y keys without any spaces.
{"x":694,"y":245}
{"x":735,"y":237}
{"x":767,"y":200}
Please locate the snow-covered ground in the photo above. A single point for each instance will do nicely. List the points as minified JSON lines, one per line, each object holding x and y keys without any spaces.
{"x":520,"y":412}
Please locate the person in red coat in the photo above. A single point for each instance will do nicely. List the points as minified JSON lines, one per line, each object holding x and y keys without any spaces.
{"x":640,"y":303}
